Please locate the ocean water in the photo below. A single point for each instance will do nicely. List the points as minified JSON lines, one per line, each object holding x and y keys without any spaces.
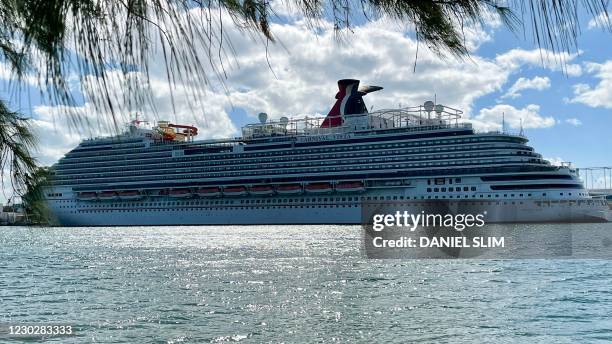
{"x":260,"y":284}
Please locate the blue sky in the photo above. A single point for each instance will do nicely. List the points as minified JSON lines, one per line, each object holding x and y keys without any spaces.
{"x":566,"y":115}
{"x":589,"y":144}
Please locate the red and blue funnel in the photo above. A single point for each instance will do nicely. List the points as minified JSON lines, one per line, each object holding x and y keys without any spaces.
{"x":349,"y":101}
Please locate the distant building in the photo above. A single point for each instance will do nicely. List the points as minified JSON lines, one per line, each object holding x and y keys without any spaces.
{"x":11,"y":214}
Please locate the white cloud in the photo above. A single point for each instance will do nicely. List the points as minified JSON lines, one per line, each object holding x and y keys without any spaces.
{"x":61,"y":128}
{"x":599,"y":95}
{"x":574,"y":121}
{"x":556,"y":161}
{"x":555,"y":62}
{"x":599,"y":21}
{"x":529,"y":117}
{"x":537,"y":83}
{"x":307,"y":75}
{"x":305,"y":66}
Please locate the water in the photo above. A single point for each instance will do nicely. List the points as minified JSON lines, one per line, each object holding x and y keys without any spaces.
{"x":288,"y":284}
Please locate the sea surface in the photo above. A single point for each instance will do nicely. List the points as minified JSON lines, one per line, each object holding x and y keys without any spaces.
{"x":272,"y":284}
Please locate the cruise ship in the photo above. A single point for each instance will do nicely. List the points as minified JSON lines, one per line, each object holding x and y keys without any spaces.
{"x":314,"y":170}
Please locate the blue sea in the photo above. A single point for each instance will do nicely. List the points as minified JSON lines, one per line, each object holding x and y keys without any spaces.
{"x":272,"y":284}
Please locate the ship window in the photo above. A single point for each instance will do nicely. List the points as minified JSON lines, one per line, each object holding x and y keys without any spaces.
{"x":457,"y":180}
{"x":465,"y":188}
{"x":473,"y":188}
{"x":436,"y":189}
{"x":428,"y":189}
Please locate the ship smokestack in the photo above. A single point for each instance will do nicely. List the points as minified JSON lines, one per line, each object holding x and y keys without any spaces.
{"x":349,"y":101}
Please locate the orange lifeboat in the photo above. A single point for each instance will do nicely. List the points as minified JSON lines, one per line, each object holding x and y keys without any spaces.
{"x":107,"y":195}
{"x":262,"y":190}
{"x":86,"y":196}
{"x":235,"y":191}
{"x":130,"y":195}
{"x":209,"y":192}
{"x":356,"y":186}
{"x":180,"y":193}
{"x":289,"y":189}
{"x":318,"y":188}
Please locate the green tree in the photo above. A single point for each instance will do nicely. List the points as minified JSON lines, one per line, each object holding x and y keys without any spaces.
{"x":34,"y":204}
{"x":16,"y":144}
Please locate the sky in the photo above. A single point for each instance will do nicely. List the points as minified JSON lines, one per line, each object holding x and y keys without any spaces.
{"x":564,"y":107}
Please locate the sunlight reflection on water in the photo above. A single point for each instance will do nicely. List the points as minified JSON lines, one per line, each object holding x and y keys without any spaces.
{"x":287,"y":283}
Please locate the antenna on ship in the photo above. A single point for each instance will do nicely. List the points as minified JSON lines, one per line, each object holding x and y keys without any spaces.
{"x":521,"y":133}
{"x":503,"y":122}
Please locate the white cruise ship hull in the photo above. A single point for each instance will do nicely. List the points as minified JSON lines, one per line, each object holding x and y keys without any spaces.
{"x":505,"y":212}
{"x":317,"y":171}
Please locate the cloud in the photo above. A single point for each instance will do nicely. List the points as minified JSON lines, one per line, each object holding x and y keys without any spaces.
{"x":529,"y":117}
{"x":574,"y":121}
{"x":303,"y":80}
{"x":599,"y":95}
{"x":61,"y":128}
{"x":298,"y":76}
{"x":599,"y":21}
{"x":556,"y":62}
{"x":556,"y":161}
{"x":537,"y":83}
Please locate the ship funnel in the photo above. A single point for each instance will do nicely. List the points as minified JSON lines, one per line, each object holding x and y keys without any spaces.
{"x":263,"y":117}
{"x":349,"y":101}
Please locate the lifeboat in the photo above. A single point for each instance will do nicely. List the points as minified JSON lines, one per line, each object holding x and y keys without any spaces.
{"x":235,"y":191}
{"x":356,"y":186}
{"x":209,"y":192}
{"x":86,"y":196}
{"x":262,"y":190}
{"x":318,"y":188}
{"x":289,"y":189}
{"x":130,"y":195}
{"x":107,"y":195}
{"x":180,"y":193}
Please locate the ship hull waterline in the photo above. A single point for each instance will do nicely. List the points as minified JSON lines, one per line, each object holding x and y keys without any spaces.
{"x":527,"y":212}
